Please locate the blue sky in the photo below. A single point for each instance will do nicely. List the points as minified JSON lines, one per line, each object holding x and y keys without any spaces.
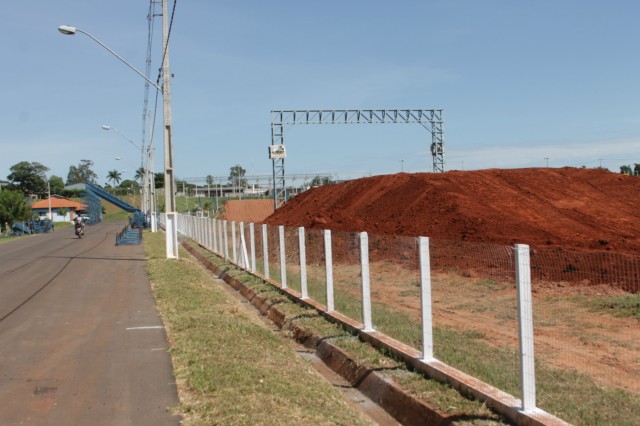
{"x":522,"y":84}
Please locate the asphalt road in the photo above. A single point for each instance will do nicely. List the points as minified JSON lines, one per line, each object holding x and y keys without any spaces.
{"x":81,"y":342}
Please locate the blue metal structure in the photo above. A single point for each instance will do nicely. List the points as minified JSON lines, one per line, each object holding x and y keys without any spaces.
{"x":98,"y":191}
{"x":129,"y":236}
{"x":95,"y":192}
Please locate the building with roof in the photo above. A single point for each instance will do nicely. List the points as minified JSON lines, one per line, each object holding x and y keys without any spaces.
{"x":62,"y":209}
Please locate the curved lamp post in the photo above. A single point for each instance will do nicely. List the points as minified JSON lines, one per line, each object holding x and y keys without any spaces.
{"x":69,"y":30}
{"x":171,"y":222}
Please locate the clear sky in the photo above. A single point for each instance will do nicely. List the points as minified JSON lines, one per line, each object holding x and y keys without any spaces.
{"x":521,"y":83}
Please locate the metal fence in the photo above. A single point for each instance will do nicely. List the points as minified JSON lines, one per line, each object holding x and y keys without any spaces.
{"x":475,"y":307}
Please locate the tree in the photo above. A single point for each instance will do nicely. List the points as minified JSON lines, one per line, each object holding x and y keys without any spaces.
{"x":210,"y":180}
{"x":159,"y":179}
{"x":636,"y":169}
{"x":114,"y":176}
{"x":81,"y":173}
{"x":140,"y":172}
{"x":29,"y":178}
{"x":317,"y":181}
{"x":130,"y":184}
{"x":56,"y":185}
{"x":236,"y":176}
{"x":626,"y":170}
{"x":13,"y":206}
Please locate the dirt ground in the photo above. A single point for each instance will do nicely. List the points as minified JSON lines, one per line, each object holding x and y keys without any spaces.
{"x":553,"y":210}
{"x":568,"y":208}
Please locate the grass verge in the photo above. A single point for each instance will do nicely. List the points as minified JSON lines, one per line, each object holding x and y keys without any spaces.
{"x":230,"y":368}
{"x":448,"y":401}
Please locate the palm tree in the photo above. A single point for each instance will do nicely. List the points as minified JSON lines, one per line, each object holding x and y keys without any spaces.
{"x":114,"y":176}
{"x":139,"y":173}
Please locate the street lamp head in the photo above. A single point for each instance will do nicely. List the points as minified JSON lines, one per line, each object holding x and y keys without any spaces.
{"x":67,"y":29}
{"x":106,"y":127}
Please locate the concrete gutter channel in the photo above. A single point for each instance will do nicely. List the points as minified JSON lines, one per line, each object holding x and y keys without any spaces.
{"x":403,"y":407}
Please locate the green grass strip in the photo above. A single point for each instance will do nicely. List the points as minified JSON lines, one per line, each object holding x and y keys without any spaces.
{"x":230,"y":368}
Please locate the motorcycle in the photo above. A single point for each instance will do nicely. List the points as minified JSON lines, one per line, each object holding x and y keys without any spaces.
{"x":79,"y":231}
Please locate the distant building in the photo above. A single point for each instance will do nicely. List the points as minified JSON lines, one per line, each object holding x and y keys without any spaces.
{"x":62,"y":208}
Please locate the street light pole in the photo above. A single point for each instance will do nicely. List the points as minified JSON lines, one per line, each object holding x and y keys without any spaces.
{"x":69,"y":30}
{"x":169,"y":178}
{"x":151,"y":180}
{"x":49,"y":193}
{"x":170,"y":209}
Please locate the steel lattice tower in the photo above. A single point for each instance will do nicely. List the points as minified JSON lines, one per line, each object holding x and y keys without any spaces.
{"x":430,"y":119}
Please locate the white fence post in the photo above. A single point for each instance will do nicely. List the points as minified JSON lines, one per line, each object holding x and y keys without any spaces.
{"x":244,"y":257}
{"x":425,"y":299}
{"x":234,"y":252}
{"x":329,"y":269}
{"x":525,"y":322}
{"x":283,"y":259}
{"x":214,"y":226}
{"x":265,"y":250}
{"x":226,"y":240}
{"x":205,"y":232}
{"x":303,"y":264}
{"x":194,"y":228}
{"x":221,"y":237}
{"x":366,"y":282}
{"x":252,"y":240}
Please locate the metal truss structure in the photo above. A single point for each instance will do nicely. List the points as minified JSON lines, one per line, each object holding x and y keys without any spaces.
{"x":430,"y":119}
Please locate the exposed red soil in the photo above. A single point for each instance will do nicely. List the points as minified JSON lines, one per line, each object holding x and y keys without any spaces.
{"x":583,"y":209}
{"x":247,"y":210}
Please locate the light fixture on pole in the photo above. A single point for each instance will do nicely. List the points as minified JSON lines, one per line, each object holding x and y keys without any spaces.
{"x":69,"y":30}
{"x":122,"y":159}
{"x":170,"y":202}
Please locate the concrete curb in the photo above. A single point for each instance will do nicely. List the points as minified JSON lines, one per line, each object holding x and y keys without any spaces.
{"x":403,"y":407}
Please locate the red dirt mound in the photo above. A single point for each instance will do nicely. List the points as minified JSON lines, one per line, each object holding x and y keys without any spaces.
{"x":584,"y":209}
{"x":246,"y":210}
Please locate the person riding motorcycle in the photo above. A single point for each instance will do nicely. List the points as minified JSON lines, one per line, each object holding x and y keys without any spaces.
{"x":78,"y":225}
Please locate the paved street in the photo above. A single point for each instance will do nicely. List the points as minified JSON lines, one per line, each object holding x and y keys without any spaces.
{"x":81,"y":342}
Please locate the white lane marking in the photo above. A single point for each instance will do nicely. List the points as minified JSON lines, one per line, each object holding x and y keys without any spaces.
{"x":148,"y":327}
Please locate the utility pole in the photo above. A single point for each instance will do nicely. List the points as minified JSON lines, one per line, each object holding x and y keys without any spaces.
{"x":169,"y":179}
{"x":152,"y":180}
{"x":49,"y":193}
